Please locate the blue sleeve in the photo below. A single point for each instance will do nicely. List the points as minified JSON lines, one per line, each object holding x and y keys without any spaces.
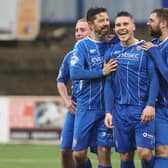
{"x":79,"y":73}
{"x":78,"y":64}
{"x":64,"y":75}
{"x":107,"y":55}
{"x":153,"y":83}
{"x":160,"y":63}
{"x":108,"y":94}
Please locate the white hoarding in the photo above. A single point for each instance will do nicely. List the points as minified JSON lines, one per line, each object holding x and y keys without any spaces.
{"x":4,"y":119}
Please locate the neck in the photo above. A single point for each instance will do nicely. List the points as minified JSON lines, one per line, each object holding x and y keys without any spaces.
{"x":97,"y":37}
{"x":164,"y":35}
{"x":129,"y":42}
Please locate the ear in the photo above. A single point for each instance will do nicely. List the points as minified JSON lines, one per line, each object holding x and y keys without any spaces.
{"x":163,"y":24}
{"x":134,"y":27}
{"x":90,"y":25}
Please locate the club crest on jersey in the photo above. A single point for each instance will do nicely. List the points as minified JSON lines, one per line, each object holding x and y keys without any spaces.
{"x":117,"y":52}
{"x":74,"y":60}
{"x":92,"y":50}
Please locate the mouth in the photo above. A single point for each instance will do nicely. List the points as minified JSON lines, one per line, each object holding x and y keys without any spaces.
{"x":122,"y":34}
{"x":105,"y":28}
{"x":105,"y":31}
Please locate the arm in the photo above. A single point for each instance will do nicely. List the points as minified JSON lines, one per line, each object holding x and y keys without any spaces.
{"x":109,"y":101}
{"x":62,"y":81}
{"x":153,"y":83}
{"x":160,"y":63}
{"x":148,"y":113}
{"x":78,"y":63}
{"x":158,"y":59}
{"x":62,"y":89}
{"x":77,"y":72}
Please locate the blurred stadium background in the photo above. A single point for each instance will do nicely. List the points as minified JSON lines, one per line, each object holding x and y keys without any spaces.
{"x":34,"y":37}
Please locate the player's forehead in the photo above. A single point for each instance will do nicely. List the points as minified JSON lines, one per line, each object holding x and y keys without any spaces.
{"x":153,"y":16}
{"x":82,"y":24}
{"x":122,"y":19}
{"x":102,"y":15}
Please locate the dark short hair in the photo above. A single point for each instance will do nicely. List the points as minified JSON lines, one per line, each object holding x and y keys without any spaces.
{"x":124,"y":13}
{"x":92,"y":12}
{"x":162,"y":13}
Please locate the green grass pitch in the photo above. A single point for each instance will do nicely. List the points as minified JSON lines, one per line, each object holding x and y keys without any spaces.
{"x":40,"y":156}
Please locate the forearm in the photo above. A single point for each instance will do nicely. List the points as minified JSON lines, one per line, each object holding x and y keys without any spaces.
{"x":153,"y":93}
{"x":108,"y":95}
{"x":62,"y":89}
{"x":153,"y":88}
{"x":80,"y":74}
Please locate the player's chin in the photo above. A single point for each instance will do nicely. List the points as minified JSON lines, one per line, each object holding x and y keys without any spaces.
{"x":105,"y":33}
{"x":123,"y":38}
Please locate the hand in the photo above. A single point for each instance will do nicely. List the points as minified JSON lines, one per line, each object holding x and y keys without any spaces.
{"x":71,"y":106}
{"x":109,"y":67}
{"x":108,"y":120}
{"x":146,"y":46}
{"x":148,"y":114}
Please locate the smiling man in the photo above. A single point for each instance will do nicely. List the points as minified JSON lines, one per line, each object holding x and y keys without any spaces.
{"x":130,"y":95}
{"x":158,"y":28}
{"x":87,"y":66}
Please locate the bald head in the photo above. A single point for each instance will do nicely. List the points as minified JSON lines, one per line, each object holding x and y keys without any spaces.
{"x":82,"y":29}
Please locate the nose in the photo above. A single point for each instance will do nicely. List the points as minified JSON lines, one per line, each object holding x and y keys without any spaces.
{"x":106,"y":22}
{"x":78,"y":32}
{"x":148,"y":22}
{"x":122,"y":26}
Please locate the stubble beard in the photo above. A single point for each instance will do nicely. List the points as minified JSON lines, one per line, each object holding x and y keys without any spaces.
{"x":102,"y":34}
{"x":155,"y":33}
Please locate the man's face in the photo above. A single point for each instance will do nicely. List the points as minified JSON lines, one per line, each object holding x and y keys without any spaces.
{"x":154,"y":25}
{"x":101,"y":25}
{"x":81,"y":30}
{"x":124,"y":28}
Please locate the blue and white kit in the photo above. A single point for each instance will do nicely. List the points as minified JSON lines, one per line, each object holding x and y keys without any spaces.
{"x":127,"y":91}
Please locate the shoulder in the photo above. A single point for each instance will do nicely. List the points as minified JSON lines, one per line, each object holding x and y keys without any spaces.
{"x":110,"y":51}
{"x":82,"y":42}
{"x":114,"y":40}
{"x":68,"y":56}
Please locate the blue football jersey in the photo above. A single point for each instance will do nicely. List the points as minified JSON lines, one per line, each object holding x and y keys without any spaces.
{"x":163,"y":67}
{"x":135,"y":82}
{"x":86,"y":66}
{"x":64,"y":74}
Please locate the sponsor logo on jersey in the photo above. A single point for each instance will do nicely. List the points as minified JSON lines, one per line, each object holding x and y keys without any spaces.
{"x":150,"y":137}
{"x":96,"y":60}
{"x":147,"y":135}
{"x":130,"y":56}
